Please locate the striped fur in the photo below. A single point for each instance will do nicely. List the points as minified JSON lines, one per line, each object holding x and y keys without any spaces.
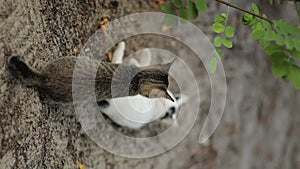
{"x":54,"y":82}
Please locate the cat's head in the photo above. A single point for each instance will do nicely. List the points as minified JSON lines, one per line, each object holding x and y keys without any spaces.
{"x":152,"y":81}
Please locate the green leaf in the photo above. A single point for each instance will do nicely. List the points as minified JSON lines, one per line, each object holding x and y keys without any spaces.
{"x":280,"y":69}
{"x":267,"y":25}
{"x":258,"y":25}
{"x":177,"y":3}
{"x":295,"y":53}
{"x":294,"y":76}
{"x":213,"y":65}
{"x":278,"y":57}
{"x":264,"y":16}
{"x":217,"y":41}
{"x":255,"y":8}
{"x":221,"y":18}
{"x":297,"y":44}
{"x":227,"y":43}
{"x":279,"y":40}
{"x":264,"y":43}
{"x":219,"y":53}
{"x":289,"y":43}
{"x":192,"y":11}
{"x":248,"y":19}
{"x":270,"y":50}
{"x":285,"y":78}
{"x":229,"y":31}
{"x":280,"y":63}
{"x":270,"y":36}
{"x":201,"y":5}
{"x":218,"y":27}
{"x":286,"y":29}
{"x":183,"y":14}
{"x":170,"y":20}
{"x":65,"y":167}
{"x":257,"y":34}
{"x":258,"y":30}
{"x":168,"y":9}
{"x":292,"y":62}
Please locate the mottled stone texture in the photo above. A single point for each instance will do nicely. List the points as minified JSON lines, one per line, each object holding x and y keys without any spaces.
{"x":259,"y":129}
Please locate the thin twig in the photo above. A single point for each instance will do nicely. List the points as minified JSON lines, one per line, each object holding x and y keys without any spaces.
{"x":241,"y":9}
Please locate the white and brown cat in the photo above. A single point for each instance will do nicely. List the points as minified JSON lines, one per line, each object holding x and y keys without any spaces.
{"x":54,"y":83}
{"x":136,"y":111}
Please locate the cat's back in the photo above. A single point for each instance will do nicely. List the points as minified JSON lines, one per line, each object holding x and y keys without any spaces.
{"x":60,"y":67}
{"x":66,"y":66}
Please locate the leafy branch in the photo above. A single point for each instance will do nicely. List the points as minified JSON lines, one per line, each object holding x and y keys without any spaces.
{"x":243,"y":10}
{"x":223,"y":39}
{"x":280,"y":40}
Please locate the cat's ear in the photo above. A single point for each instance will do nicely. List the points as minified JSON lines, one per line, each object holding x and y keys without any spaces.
{"x":166,"y":67}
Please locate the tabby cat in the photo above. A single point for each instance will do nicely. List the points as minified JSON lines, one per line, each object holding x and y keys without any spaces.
{"x":54,"y":82}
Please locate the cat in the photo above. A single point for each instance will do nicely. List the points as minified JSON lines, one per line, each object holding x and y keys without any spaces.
{"x":135,"y":111}
{"x":54,"y":82}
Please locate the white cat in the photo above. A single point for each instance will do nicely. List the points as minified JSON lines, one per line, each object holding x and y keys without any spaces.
{"x":136,"y":111}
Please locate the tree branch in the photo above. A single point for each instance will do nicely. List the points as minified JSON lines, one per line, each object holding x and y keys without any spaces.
{"x":241,"y":9}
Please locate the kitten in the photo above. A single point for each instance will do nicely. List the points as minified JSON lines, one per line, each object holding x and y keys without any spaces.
{"x":135,"y":111}
{"x":54,"y":82}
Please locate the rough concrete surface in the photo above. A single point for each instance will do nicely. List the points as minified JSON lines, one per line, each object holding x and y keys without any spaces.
{"x":260,"y":127}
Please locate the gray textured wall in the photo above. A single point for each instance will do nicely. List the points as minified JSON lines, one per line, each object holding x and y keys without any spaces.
{"x":259,"y":129}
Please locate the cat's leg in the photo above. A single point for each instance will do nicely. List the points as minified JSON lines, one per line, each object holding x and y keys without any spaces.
{"x":119,"y":53}
{"x":117,"y":57}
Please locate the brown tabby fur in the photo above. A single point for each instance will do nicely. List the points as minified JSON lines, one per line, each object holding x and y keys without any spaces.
{"x":54,"y":82}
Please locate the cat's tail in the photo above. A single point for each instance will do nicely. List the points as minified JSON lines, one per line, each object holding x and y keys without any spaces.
{"x":21,"y":70}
